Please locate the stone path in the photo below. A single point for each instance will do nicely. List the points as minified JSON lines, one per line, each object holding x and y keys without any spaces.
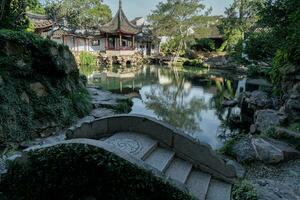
{"x":200,"y":184}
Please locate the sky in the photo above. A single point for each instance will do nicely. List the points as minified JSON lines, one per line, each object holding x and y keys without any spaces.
{"x":142,"y":8}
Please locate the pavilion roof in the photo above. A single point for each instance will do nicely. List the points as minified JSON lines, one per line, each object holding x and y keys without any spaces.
{"x":120,"y":24}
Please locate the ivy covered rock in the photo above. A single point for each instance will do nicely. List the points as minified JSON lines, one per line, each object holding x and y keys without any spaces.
{"x":40,"y":87}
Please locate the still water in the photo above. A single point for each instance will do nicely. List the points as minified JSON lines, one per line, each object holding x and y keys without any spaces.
{"x":188,"y":98}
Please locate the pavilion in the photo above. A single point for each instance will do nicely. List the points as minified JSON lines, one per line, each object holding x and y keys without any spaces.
{"x":120,"y":34}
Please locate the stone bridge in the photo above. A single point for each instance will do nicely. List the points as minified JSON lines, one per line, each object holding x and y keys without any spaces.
{"x":166,"y":152}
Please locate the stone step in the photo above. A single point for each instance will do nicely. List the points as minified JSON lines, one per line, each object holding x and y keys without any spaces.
{"x":179,"y":170}
{"x":198,"y":183}
{"x":160,"y":159}
{"x":218,"y":190}
{"x":138,"y":145}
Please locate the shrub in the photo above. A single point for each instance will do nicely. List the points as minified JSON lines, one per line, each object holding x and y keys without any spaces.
{"x":88,"y":59}
{"x":244,"y":191}
{"x":124,"y":106}
{"x":204,"y":44}
{"x":193,"y":63}
{"x":76,"y":171}
{"x":260,"y":46}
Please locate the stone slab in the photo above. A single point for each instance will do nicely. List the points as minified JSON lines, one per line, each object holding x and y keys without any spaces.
{"x":198,"y":183}
{"x":179,"y":170}
{"x":139,"y":146}
{"x":160,"y":159}
{"x":218,"y":190}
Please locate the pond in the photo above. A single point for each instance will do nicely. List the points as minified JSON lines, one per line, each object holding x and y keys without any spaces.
{"x":190,"y":99}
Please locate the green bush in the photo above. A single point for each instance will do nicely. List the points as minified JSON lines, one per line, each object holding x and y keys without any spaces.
{"x":88,"y":59}
{"x":193,"y":63}
{"x":244,"y":191}
{"x":204,"y":44}
{"x":260,"y":46}
{"x":255,"y":70}
{"x":124,"y":106}
{"x":14,"y":15}
{"x":78,"y":171}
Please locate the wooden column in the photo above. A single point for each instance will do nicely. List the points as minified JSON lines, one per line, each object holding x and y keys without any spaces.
{"x":106,"y":41}
{"x":133,"y":45}
{"x":120,"y":42}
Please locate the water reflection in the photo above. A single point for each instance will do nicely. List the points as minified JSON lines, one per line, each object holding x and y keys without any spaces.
{"x":189,"y":99}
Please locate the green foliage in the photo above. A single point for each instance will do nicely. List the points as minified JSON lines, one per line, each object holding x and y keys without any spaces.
{"x":244,"y":191}
{"x":88,"y":59}
{"x":227,"y":148}
{"x":193,"y":63}
{"x":282,"y":17}
{"x":260,"y":46}
{"x":34,"y":6}
{"x":280,"y":62}
{"x":240,"y":18}
{"x":175,"y":19}
{"x":255,"y":71}
{"x":80,"y":14}
{"x":295,"y":127}
{"x":77,"y":171}
{"x":81,"y":102}
{"x":206,"y":45}
{"x":124,"y":106}
{"x":13,"y":15}
{"x":26,"y":59}
{"x":171,"y":47}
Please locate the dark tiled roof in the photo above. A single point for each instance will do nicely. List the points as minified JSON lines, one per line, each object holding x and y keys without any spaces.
{"x":40,"y":21}
{"x":120,"y":24}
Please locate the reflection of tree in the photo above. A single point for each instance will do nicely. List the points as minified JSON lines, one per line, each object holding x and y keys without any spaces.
{"x":224,"y":92}
{"x":170,"y":104}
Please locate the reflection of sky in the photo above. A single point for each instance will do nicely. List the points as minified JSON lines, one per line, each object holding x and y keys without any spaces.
{"x":161,"y":84}
{"x":209,"y":122}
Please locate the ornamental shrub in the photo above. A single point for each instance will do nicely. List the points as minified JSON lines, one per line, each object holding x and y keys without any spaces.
{"x":76,"y":171}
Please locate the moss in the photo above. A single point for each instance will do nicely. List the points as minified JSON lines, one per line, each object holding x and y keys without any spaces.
{"x":244,"y":190}
{"x":78,"y":171}
{"x":25,"y":59}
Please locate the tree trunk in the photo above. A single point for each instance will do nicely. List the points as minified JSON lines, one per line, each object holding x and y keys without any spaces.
{"x":3,"y":3}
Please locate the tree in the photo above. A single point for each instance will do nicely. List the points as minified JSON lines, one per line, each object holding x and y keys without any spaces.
{"x":240,"y":18}
{"x":86,"y":14}
{"x":177,"y":20}
{"x":34,"y":6}
{"x":282,"y":19}
{"x":13,"y":14}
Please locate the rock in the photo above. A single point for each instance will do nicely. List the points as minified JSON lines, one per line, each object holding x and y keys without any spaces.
{"x":86,"y":119}
{"x":292,"y":105}
{"x":256,"y":100}
{"x":272,"y":151}
{"x":266,"y":152}
{"x":230,"y":103}
{"x":1,"y":80}
{"x":102,"y":112}
{"x":240,"y":170}
{"x":265,"y":120}
{"x":286,"y":133}
{"x":24,"y":97}
{"x":243,"y":150}
{"x":269,"y":189}
{"x":39,"y":89}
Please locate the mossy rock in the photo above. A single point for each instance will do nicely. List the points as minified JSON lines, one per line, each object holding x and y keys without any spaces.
{"x":40,"y":85}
